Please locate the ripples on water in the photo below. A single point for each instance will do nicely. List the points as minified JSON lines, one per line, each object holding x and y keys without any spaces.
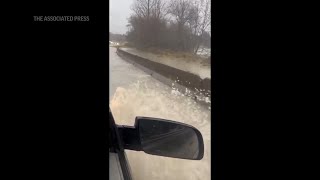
{"x":153,"y":99}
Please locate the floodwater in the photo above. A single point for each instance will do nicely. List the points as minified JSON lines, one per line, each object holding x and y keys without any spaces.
{"x":135,"y":93}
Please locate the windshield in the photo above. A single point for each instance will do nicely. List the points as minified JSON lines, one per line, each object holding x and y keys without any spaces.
{"x":160,"y":66}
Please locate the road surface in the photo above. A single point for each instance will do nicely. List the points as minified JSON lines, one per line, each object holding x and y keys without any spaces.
{"x":135,"y":93}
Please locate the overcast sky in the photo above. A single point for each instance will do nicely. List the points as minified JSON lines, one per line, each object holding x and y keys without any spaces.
{"x":119,"y":14}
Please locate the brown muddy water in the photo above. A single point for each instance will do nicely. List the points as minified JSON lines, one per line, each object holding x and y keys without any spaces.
{"x":134,"y":93}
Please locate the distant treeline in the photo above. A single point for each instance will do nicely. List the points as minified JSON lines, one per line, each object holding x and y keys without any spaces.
{"x":117,"y":37}
{"x":177,"y":24}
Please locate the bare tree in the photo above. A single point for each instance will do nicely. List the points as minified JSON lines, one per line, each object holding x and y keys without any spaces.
{"x":189,"y":24}
{"x":141,"y":8}
{"x":149,"y":8}
{"x":147,"y":20}
{"x":179,"y":9}
{"x":200,"y":21}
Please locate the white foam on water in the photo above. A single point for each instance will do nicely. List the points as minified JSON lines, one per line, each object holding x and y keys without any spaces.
{"x":152,"y":99}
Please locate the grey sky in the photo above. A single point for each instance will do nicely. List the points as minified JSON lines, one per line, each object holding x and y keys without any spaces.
{"x":119,"y":14}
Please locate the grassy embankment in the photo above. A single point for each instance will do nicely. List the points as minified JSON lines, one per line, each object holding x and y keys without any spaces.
{"x":170,"y":54}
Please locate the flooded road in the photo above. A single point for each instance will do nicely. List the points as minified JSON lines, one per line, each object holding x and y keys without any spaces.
{"x":135,"y":93}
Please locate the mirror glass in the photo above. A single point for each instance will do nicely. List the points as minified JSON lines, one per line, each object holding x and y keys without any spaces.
{"x":170,"y":138}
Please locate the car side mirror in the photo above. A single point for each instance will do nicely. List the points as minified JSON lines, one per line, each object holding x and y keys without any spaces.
{"x":163,"y":138}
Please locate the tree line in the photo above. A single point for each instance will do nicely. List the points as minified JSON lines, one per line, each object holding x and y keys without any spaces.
{"x":177,"y":24}
{"x":117,"y":37}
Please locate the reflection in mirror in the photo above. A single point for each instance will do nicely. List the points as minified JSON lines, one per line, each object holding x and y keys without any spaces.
{"x":169,"y":138}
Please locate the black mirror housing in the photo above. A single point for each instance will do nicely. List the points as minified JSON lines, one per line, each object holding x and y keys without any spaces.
{"x":163,"y":138}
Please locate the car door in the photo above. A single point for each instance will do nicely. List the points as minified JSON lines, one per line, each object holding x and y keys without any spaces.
{"x":118,"y":163}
